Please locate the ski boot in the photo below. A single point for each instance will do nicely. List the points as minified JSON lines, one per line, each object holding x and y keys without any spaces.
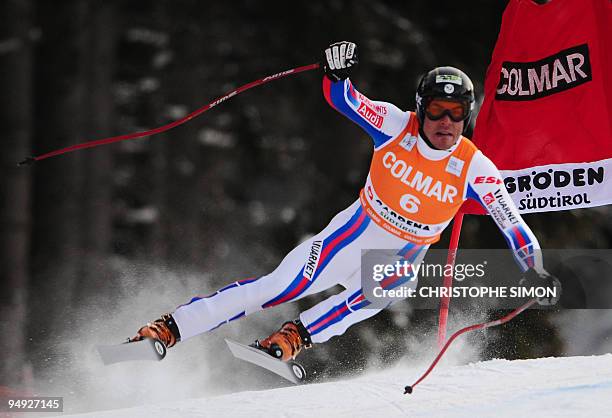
{"x":163,"y":329}
{"x":286,"y":343}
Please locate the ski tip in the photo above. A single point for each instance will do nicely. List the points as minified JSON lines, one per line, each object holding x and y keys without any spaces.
{"x":232,"y":343}
{"x":407,"y":390}
{"x":145,"y":349}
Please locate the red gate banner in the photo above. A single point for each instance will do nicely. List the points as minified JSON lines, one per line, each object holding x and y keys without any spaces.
{"x":546,"y":116}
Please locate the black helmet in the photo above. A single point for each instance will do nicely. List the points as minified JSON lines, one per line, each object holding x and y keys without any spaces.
{"x":445,"y":83}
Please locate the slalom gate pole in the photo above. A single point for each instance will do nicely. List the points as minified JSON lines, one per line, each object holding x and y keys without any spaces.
{"x":164,"y":128}
{"x":502,"y":320}
{"x":448,"y":278}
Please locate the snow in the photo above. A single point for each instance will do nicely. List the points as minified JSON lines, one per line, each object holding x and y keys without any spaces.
{"x":546,"y":387}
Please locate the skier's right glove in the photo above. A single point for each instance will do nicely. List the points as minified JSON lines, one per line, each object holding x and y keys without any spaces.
{"x":543,"y":279}
{"x":163,"y":329}
{"x":338,"y":60}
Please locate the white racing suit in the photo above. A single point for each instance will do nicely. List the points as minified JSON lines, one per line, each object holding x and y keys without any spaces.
{"x":411,"y":194}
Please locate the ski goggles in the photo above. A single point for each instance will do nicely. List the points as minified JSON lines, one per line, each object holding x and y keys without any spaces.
{"x":435,"y":109}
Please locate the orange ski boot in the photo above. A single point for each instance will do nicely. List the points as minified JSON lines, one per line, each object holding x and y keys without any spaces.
{"x":286,"y":343}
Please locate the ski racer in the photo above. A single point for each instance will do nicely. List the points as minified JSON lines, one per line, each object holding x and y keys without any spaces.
{"x":422,"y":170}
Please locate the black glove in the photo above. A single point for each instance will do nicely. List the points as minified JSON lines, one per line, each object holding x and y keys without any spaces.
{"x":338,"y":60}
{"x":532,"y":278}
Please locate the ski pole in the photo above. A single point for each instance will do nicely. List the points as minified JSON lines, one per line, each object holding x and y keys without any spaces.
{"x":164,"y":128}
{"x":502,"y":320}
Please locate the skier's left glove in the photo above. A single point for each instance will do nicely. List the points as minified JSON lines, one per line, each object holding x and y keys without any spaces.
{"x":532,"y":278}
{"x":338,"y":60}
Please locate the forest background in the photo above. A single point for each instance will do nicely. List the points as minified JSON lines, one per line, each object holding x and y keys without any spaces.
{"x":96,"y":243}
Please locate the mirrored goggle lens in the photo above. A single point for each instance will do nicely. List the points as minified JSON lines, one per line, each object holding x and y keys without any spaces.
{"x":457,"y":111}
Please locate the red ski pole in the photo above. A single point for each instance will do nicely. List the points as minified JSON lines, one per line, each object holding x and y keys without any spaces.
{"x":164,"y":128}
{"x":502,"y":320}
{"x":448,"y":278}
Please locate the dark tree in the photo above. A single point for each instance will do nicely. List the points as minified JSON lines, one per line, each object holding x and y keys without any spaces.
{"x":16,"y":33}
{"x":61,"y":83}
{"x":98,"y":65}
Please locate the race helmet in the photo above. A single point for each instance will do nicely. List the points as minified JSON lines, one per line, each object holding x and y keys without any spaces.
{"x":447,"y":83}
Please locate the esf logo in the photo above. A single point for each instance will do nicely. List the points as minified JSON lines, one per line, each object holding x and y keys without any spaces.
{"x":487,"y":180}
{"x":531,"y":80}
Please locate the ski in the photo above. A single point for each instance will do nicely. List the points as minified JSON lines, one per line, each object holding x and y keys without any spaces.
{"x":292,"y":371}
{"x":146,"y":349}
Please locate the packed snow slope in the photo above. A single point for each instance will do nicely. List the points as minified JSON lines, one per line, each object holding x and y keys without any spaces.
{"x":547,"y":387}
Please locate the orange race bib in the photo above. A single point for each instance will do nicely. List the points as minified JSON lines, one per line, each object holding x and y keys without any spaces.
{"x":410,"y":195}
